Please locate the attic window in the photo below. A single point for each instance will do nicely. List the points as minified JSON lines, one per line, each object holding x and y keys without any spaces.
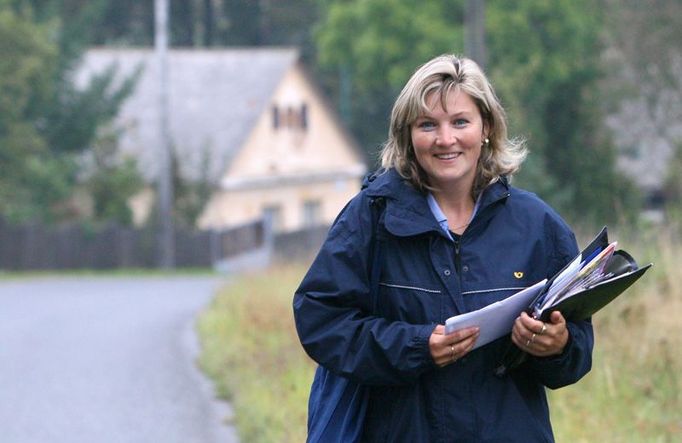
{"x":275,"y":117}
{"x":304,"y":116}
{"x":290,"y":117}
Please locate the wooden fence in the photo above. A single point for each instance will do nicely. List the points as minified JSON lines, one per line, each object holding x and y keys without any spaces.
{"x":74,"y":246}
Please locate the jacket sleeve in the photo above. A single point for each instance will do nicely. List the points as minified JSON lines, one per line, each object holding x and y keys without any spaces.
{"x":332,"y":311}
{"x":576,"y":359}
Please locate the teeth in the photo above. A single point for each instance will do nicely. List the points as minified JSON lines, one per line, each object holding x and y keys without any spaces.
{"x":448,"y":156}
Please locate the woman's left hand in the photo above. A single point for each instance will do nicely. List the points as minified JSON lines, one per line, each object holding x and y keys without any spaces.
{"x":541,"y":339}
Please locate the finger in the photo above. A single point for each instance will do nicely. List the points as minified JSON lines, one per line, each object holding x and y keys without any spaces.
{"x":533,"y":325}
{"x":469,"y":345}
{"x":440,"y":330}
{"x":463,"y":333}
{"x":521,"y":330}
{"x":557,"y":318}
{"x":458,"y":349}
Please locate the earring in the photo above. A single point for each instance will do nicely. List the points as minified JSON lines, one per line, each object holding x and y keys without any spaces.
{"x":486,"y":141}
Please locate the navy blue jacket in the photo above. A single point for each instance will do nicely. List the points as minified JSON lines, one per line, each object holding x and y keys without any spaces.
{"x":426,"y":278}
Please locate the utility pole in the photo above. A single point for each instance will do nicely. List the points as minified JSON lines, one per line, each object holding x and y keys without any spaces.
{"x":474,"y":31}
{"x":166,"y":234}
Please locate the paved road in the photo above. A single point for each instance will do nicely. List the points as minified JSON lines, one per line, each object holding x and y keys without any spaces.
{"x":104,"y":360}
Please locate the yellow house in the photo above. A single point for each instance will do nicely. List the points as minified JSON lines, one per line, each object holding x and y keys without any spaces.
{"x":251,"y":121}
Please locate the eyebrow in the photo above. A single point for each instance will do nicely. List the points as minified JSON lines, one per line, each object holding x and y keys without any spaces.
{"x":456,"y":114}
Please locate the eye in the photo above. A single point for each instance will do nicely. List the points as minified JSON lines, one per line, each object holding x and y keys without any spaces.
{"x":426,"y":125}
{"x":460,"y":122}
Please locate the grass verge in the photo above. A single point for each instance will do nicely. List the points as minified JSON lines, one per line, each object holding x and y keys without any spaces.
{"x":250,"y":349}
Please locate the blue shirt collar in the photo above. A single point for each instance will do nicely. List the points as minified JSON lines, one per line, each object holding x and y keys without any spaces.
{"x":441,"y":218}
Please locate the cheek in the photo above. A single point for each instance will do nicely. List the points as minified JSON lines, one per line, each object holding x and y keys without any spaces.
{"x":421,"y":142}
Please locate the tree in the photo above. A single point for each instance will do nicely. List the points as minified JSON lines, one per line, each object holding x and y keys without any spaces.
{"x":645,"y":66}
{"x":27,"y":64}
{"x":190,"y":196}
{"x":207,"y":23}
{"x":646,"y":60}
{"x":111,"y":180}
{"x":543,"y":57}
{"x":367,"y":50}
{"x":46,"y":123}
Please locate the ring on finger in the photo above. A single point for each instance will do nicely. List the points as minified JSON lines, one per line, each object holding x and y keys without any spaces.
{"x":544,"y":328}
{"x":452,"y":352}
{"x":530,"y":340}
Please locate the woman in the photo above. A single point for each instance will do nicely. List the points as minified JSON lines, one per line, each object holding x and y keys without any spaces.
{"x":455,"y":237}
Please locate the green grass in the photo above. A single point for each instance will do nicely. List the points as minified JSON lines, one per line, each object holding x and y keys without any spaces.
{"x":632,"y":394}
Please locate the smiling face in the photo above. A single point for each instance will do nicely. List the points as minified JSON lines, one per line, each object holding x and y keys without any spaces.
{"x":447,"y":142}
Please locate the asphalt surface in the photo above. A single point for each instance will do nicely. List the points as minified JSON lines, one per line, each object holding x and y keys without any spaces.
{"x":106,"y":359}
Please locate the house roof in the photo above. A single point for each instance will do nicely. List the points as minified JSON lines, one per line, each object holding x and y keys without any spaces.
{"x":214,"y":97}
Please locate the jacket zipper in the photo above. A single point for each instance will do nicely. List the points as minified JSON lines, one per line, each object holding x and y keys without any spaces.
{"x":458,"y":257}
{"x":458,"y":261}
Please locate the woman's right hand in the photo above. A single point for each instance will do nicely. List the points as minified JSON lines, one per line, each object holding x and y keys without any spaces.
{"x":447,"y":349}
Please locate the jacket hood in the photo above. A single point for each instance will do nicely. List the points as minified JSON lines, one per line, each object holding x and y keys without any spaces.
{"x":407,"y":212}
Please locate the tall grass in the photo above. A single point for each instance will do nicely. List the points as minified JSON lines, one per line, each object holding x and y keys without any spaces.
{"x":250,"y":349}
{"x":632,"y":393}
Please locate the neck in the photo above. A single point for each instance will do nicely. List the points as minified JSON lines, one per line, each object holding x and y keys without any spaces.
{"x":457,"y":207}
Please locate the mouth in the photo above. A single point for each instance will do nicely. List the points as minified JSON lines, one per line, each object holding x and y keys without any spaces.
{"x":448,"y":155}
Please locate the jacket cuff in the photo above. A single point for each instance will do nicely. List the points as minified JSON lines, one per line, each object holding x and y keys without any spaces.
{"x":421,"y":342}
{"x":559,"y":359}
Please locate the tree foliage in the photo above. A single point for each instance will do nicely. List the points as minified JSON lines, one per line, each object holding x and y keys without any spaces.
{"x":544,"y":59}
{"x":206,"y":23}
{"x":27,"y":64}
{"x":46,"y":123}
{"x":645,"y":71}
{"x":367,"y":50}
{"x":646,"y":59}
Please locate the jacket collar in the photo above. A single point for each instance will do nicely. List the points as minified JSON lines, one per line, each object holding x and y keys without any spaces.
{"x":407,"y":210}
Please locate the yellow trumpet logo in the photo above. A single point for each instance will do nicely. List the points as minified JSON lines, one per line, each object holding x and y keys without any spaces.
{"x":518,"y":274}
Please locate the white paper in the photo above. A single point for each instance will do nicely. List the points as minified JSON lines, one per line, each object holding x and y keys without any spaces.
{"x":496,"y":319}
{"x":560,"y":283}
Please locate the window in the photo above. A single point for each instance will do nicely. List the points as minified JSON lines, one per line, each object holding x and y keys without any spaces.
{"x":291,"y":117}
{"x":275,"y":117}
{"x":273,"y":215}
{"x":312,"y":213}
{"x":304,"y":116}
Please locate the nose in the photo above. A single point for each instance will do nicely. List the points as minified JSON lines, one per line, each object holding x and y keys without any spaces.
{"x":445,"y":136}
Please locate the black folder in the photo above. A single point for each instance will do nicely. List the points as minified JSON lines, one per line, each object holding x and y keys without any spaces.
{"x":623,"y":271}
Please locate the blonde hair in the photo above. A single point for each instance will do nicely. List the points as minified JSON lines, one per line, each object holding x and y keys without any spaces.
{"x":500,"y":157}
